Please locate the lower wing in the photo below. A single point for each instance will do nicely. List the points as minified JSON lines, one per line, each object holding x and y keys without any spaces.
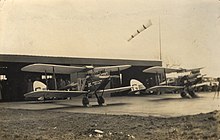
{"x":114,"y":90}
{"x":54,"y":93}
{"x":164,"y":88}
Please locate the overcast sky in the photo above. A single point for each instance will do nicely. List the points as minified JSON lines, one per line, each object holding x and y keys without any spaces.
{"x":190,"y":30}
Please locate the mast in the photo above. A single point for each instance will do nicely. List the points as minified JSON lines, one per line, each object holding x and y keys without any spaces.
{"x":160,"y":40}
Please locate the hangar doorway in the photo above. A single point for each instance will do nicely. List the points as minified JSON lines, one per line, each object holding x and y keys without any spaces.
{"x":14,"y":83}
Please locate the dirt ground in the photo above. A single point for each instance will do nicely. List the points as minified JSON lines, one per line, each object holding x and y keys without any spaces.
{"x":40,"y":125}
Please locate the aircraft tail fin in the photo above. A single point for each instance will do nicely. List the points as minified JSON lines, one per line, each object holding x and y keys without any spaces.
{"x":38,"y":86}
{"x":136,"y":86}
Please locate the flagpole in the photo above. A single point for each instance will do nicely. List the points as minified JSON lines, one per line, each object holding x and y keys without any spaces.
{"x":160,"y":40}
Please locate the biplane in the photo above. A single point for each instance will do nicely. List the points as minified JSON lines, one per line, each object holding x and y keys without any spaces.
{"x":183,"y":84}
{"x":94,"y":83}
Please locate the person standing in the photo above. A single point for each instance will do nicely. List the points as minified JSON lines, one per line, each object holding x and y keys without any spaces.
{"x":218,"y":88}
{"x":62,"y":83}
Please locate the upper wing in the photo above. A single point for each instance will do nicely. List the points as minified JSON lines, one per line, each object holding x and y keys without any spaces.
{"x":115,"y":90}
{"x":50,"y":68}
{"x":54,"y":93}
{"x":193,"y":70}
{"x":164,"y":88}
{"x":158,"y":69}
{"x":112,"y":68}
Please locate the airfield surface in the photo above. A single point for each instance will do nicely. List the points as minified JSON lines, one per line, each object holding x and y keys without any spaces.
{"x":148,"y":117}
{"x":154,"y":105}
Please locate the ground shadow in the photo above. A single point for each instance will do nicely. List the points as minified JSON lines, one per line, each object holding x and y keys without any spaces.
{"x":41,"y":102}
{"x":173,"y":99}
{"x":69,"y":106}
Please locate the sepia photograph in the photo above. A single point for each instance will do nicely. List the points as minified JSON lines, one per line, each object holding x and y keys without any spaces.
{"x":109,"y":69}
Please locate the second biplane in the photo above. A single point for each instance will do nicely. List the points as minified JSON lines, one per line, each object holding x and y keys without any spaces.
{"x":184,"y":84}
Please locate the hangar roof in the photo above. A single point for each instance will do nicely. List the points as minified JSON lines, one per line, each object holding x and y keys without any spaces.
{"x":75,"y":60}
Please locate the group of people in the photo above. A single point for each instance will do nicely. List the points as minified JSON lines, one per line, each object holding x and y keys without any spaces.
{"x":62,"y":83}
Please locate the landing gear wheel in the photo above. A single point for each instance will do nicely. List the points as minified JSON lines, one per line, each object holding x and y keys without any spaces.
{"x":192,"y":94}
{"x":85,"y":101}
{"x":101,"y":100}
{"x":184,"y":95}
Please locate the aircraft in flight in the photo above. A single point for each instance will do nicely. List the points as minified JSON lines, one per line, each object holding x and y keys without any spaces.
{"x":184,"y":84}
{"x":93,"y":84}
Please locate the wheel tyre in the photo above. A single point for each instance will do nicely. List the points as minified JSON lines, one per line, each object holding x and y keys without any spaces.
{"x":85,"y":101}
{"x":183,"y":94}
{"x":101,"y":100}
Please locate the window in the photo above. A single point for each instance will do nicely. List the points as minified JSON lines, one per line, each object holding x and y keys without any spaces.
{"x":44,"y":76}
{"x":3,"y":77}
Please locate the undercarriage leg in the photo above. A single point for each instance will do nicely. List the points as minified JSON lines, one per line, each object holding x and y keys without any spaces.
{"x":192,"y":94}
{"x":85,"y":101}
{"x":183,"y":94}
{"x":100,"y":99}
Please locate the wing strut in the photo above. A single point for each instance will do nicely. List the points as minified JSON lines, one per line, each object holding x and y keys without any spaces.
{"x":165,"y":76}
{"x":46,"y":79}
{"x":54,"y":78}
{"x":157,"y":79}
{"x":120,"y":78}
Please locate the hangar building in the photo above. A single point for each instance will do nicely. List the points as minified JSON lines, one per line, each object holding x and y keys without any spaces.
{"x":14,"y":81}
